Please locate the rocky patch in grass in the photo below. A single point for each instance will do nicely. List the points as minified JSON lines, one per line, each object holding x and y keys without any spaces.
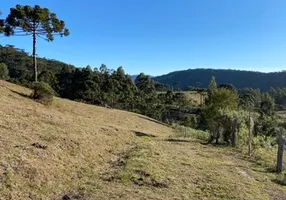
{"x":39,"y":146}
{"x":145,"y":179}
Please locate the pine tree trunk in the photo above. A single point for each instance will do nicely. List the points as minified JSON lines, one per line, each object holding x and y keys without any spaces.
{"x":34,"y":57}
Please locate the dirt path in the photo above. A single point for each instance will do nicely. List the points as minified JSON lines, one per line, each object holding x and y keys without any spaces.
{"x":185,"y":169}
{"x":274,"y":191}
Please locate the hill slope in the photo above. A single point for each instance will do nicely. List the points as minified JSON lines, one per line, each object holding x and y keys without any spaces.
{"x":76,"y":151}
{"x":241,"y":79}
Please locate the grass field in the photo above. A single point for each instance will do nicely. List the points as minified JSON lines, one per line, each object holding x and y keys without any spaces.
{"x":78,"y":151}
{"x":196,"y":98}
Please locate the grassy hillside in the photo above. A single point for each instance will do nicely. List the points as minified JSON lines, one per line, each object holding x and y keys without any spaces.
{"x":76,"y":151}
{"x":202,"y":77}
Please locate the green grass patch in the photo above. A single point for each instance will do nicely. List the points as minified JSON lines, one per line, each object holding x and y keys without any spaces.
{"x":186,"y":132}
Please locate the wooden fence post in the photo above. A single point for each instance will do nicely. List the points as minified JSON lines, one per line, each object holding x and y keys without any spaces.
{"x":185,"y":132}
{"x":250,"y":129}
{"x":234,"y":132}
{"x":281,"y":143}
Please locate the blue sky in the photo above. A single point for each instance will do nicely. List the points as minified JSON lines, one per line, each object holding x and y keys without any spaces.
{"x":160,"y":36}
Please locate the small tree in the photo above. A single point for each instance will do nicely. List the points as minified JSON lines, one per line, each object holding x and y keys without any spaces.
{"x":247,"y":101}
{"x":50,"y":78}
{"x":43,"y":93}
{"x":220,"y":99}
{"x":212,"y":86}
{"x":35,"y":21}
{"x":3,"y":71}
{"x":267,"y":105}
{"x":228,"y":86}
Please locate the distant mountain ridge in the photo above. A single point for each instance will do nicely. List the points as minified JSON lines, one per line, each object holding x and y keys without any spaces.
{"x":135,"y":76}
{"x":239,"y":78}
{"x":19,"y":64}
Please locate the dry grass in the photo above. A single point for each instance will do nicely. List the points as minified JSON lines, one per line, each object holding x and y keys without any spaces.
{"x":89,"y":152}
{"x":196,"y":97}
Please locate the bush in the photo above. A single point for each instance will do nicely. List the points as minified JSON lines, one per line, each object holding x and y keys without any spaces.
{"x":220,"y":99}
{"x":3,"y":71}
{"x":182,"y":131}
{"x":43,"y":93}
{"x":190,"y":121}
{"x":266,"y":126}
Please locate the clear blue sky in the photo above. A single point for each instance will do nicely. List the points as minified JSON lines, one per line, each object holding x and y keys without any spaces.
{"x":160,"y":36}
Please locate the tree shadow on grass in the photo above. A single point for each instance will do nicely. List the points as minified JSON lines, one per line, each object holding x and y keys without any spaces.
{"x":192,"y":140}
{"x":140,"y":134}
{"x":179,"y":140}
{"x":279,"y":181}
{"x":153,"y":120}
{"x":214,"y":144}
{"x":267,"y":170}
{"x":21,"y":94}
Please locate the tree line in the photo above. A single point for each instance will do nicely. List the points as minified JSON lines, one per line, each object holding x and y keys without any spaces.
{"x":98,"y":86}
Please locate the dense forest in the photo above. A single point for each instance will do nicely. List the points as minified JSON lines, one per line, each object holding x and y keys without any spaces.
{"x":181,"y":80}
{"x":99,"y":86}
{"x":117,"y":89}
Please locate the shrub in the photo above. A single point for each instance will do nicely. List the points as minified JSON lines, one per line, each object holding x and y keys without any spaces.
{"x":267,"y":126}
{"x":182,"y":131}
{"x":3,"y":71}
{"x":43,"y":93}
{"x":219,"y":99}
{"x":190,"y":121}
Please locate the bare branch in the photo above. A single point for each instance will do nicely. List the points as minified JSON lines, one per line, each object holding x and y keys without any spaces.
{"x":22,"y":34}
{"x":40,"y":36}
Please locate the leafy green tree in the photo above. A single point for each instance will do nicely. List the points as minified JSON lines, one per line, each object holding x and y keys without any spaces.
{"x":169,"y":97}
{"x":43,"y":93}
{"x":279,"y":96}
{"x":83,"y":84}
{"x":247,"y":101}
{"x":162,"y":87}
{"x":190,"y":121}
{"x":228,"y":86}
{"x":3,"y":71}
{"x":34,"y":21}
{"x":267,"y":105}
{"x":221,"y":99}
{"x":212,"y":86}
{"x":17,"y":61}
{"x":50,"y":78}
{"x":145,"y":84}
{"x":65,"y":82}
{"x":250,"y":96}
{"x":124,"y":89}
{"x":181,"y":100}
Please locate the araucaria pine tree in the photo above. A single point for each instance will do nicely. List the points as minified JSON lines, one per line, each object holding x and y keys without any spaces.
{"x":34,"y":21}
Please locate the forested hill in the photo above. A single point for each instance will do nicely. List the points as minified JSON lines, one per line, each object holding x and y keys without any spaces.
{"x":20,"y":68}
{"x":240,"y":79}
{"x":20,"y":65}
